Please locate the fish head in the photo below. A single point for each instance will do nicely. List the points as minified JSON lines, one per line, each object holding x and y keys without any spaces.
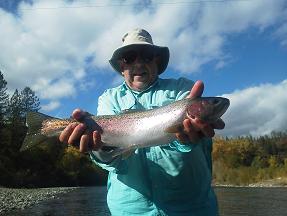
{"x":208,"y":109}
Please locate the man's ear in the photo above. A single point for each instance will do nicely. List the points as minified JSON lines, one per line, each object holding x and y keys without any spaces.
{"x":157,"y":61}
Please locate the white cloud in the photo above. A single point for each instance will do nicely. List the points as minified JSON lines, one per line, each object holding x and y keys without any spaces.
{"x":59,"y":89}
{"x":282,"y":34}
{"x":49,"y":44}
{"x":257,"y":110}
{"x":50,"y":106}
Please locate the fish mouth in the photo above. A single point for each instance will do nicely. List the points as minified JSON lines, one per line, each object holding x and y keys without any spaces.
{"x":221,"y":106}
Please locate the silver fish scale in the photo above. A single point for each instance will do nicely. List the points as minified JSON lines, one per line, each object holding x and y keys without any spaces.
{"x":142,"y":128}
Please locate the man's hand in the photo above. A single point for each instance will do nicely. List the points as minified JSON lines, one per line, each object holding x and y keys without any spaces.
{"x":194,"y":129}
{"x":77,"y":134}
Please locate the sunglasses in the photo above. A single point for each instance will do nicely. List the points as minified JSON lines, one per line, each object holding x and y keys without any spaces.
{"x":129,"y":57}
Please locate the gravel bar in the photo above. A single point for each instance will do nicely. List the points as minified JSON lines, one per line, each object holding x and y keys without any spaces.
{"x":15,"y":199}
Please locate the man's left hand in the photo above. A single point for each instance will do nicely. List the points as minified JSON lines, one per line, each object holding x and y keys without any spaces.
{"x":195,"y":129}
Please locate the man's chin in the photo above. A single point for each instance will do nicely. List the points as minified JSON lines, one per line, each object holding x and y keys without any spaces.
{"x":140,"y":86}
{"x":140,"y":78}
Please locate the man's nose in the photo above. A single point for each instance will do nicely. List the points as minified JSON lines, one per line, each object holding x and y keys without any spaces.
{"x":139,"y":60}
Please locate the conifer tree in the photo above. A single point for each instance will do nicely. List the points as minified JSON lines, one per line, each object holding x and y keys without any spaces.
{"x":16,"y":121}
{"x":19,"y":105}
{"x":3,"y":100}
{"x":30,"y":102}
{"x":15,"y":111}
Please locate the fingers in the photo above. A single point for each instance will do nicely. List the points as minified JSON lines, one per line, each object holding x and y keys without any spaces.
{"x":191,"y":132}
{"x":97,"y":143}
{"x":84,"y":142}
{"x":76,"y":134}
{"x":66,"y":133}
{"x":203,"y":127}
{"x":78,"y":114}
{"x":90,"y":141}
{"x":196,"y":90}
{"x":194,"y":130}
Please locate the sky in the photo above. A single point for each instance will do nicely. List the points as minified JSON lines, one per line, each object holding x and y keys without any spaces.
{"x":238,"y":48}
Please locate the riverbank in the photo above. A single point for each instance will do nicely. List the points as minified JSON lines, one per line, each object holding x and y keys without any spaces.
{"x":13,"y":199}
{"x":278,"y":182}
{"x":18,"y":199}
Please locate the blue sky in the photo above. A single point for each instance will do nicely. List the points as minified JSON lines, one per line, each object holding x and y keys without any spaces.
{"x":237,"y":47}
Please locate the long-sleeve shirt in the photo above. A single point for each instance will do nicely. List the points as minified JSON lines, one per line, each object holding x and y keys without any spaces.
{"x":172,"y":179}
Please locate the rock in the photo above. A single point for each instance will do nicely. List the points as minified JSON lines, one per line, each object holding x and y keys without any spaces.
{"x":12,"y":199}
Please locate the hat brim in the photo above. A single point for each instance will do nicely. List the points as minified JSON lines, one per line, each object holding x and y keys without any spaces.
{"x":162,"y":52}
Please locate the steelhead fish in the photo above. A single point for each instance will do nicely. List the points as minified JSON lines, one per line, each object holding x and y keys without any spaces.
{"x":132,"y":129}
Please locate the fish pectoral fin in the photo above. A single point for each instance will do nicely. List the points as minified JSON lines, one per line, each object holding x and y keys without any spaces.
{"x":174,"y":129}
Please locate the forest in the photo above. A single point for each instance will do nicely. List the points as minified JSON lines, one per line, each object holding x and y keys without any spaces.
{"x":236,"y":161}
{"x":44,"y":166}
{"x":246,"y":160}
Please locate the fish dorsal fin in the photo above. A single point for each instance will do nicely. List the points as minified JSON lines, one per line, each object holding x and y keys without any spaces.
{"x":174,"y":128}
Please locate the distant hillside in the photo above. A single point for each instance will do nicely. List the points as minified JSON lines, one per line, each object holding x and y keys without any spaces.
{"x":249,"y":160}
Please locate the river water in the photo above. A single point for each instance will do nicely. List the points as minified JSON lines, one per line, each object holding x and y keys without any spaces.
{"x":91,"y":201}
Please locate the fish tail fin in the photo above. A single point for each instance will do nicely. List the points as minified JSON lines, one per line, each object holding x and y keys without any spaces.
{"x":34,"y":122}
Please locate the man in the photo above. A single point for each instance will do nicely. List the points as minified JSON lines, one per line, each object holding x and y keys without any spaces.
{"x":172,"y":179}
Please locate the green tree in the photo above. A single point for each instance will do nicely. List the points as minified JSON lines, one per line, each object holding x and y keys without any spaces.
{"x":16,"y":121}
{"x":19,"y":105}
{"x":29,"y":101}
{"x":3,"y":100}
{"x":15,"y":113}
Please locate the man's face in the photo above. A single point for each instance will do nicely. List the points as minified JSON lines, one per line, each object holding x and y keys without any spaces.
{"x":139,"y":68}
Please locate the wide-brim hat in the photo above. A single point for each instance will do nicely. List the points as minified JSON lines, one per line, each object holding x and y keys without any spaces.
{"x":134,"y":39}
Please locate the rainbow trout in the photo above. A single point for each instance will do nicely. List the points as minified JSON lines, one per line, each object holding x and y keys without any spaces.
{"x":132,"y":129}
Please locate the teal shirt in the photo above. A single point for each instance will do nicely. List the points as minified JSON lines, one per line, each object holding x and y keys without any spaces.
{"x":173,"y":179}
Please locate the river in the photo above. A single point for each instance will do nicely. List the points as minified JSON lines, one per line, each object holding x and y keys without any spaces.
{"x":233,"y":201}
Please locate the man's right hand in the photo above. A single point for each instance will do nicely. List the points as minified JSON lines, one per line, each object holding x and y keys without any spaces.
{"x":77,"y":134}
